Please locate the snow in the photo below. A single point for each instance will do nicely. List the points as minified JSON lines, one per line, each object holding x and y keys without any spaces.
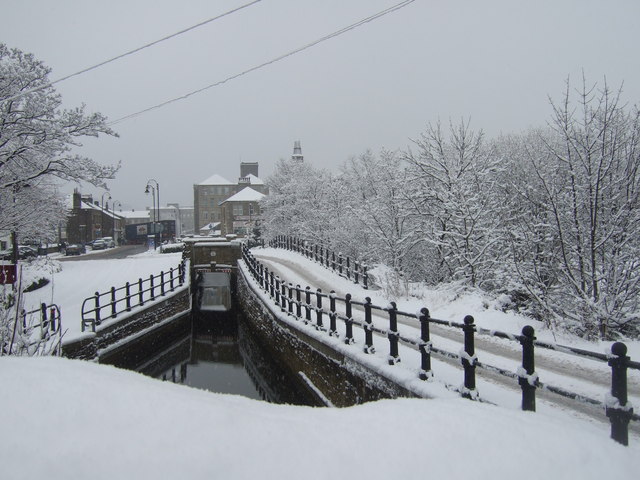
{"x":73,"y":419}
{"x":216,"y":180}
{"x":66,"y":418}
{"x":80,"y":279}
{"x":247,"y":194}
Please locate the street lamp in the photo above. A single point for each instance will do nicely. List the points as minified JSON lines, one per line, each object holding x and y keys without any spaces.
{"x":113,"y":207}
{"x":102,"y":217}
{"x":150,"y":184}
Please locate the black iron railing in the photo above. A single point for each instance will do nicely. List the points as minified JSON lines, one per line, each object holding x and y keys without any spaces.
{"x":39,"y":331}
{"x":109,"y":304}
{"x":345,"y":266}
{"x":301,"y":302}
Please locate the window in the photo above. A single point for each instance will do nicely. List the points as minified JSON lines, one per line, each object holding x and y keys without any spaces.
{"x":237,"y":209}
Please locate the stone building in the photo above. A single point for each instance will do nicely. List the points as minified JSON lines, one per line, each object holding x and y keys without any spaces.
{"x":241,"y":212}
{"x":209,"y":194}
{"x":88,"y":220}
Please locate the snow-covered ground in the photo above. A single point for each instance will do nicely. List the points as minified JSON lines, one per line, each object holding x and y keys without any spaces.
{"x":73,"y":419}
{"x":71,"y":282}
{"x":66,"y":419}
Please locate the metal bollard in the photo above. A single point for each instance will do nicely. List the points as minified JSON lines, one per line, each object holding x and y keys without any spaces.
{"x":348,"y":323}
{"x":393,"y":334}
{"x":425,"y":345}
{"x":528,"y":379}
{"x":616,"y":404}
{"x":469,"y":359}
{"x":368,"y":327}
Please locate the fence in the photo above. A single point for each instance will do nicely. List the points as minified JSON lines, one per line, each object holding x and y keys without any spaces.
{"x":109,"y":304}
{"x":43,"y":337}
{"x":300,"y":303}
{"x":344,"y":266}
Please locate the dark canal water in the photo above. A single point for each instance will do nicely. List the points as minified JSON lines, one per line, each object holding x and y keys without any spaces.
{"x":220,"y":354}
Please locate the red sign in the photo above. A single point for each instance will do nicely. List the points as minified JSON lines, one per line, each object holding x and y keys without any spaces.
{"x":7,"y":274}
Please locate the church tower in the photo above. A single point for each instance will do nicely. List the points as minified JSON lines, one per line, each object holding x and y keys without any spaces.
{"x":297,"y":152}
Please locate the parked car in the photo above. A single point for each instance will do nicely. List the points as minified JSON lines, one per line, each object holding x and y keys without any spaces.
{"x":109,"y":241}
{"x":99,"y":245}
{"x":75,"y":249}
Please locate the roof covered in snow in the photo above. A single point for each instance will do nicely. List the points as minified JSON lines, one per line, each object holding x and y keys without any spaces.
{"x":247,"y":194}
{"x":216,"y":180}
{"x":255,"y":180}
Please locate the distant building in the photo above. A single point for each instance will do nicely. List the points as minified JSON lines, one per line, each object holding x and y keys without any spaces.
{"x":241,"y":212}
{"x":209,"y":194}
{"x":89,"y":220}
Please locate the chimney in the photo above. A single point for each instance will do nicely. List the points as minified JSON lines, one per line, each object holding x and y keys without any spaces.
{"x":297,"y":152}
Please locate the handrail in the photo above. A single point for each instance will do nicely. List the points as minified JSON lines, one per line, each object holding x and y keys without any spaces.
{"x":50,"y":326}
{"x":345,"y":266}
{"x":294,"y":299}
{"x":130,"y":295}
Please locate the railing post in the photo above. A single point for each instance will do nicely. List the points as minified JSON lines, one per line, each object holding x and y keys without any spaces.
{"x":348,"y":268}
{"x":307,"y":300}
{"x":52,"y":318}
{"x":114,"y":311}
{"x":356,"y":272}
{"x":393,"y":334}
{"x":151,"y":287}
{"x":97,"y":308}
{"x":298,"y":302}
{"x":527,"y":378}
{"x":425,"y":345}
{"x":43,"y":318}
{"x":333,"y":329}
{"x":348,"y":323}
{"x":365,"y":278}
{"x":319,"y":309}
{"x":140,"y":292}
{"x":315,"y":254}
{"x":283,"y":295}
{"x":171,"y":279}
{"x":340,"y":263}
{"x":469,"y":358}
{"x":161,"y":284}
{"x":290,"y":298}
{"x":261,"y":268}
{"x":276,"y":289}
{"x":617,"y":410}
{"x":333,"y":261}
{"x":368,"y":327}
{"x":127,"y":290}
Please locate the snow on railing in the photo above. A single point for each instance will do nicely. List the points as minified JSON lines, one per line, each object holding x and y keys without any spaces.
{"x":38,"y":332}
{"x":106,"y":305}
{"x":290,"y":300}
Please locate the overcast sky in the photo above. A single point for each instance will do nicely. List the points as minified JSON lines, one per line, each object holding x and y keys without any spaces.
{"x":494,"y":62}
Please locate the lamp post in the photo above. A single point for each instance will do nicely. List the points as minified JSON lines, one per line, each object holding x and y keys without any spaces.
{"x":113,"y":207}
{"x":151,"y":183}
{"x":102,"y":217}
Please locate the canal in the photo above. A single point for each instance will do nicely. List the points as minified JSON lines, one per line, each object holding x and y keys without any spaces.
{"x":219,"y":353}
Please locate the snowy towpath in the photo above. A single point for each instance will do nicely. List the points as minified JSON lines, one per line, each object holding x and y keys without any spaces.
{"x":590,"y":378}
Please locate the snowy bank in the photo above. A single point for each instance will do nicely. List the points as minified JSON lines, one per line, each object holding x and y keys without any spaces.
{"x":72,"y":419}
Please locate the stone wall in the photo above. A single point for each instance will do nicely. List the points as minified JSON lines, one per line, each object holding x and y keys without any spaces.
{"x":342,"y":380}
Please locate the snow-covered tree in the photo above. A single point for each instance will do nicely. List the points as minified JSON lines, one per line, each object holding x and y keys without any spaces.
{"x":454,"y":178}
{"x":37,"y":142}
{"x":589,"y":179}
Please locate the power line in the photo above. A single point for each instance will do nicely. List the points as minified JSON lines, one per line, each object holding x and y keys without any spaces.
{"x":272,"y":61}
{"x":130,"y":52}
